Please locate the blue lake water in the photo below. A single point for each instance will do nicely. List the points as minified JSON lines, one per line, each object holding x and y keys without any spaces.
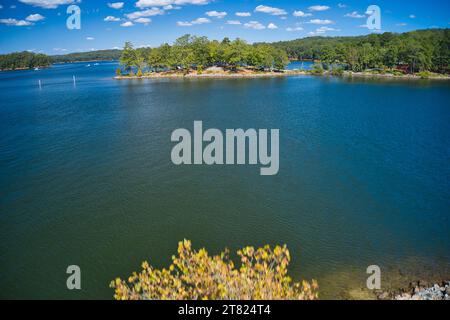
{"x":300,"y":65}
{"x":86,"y":177}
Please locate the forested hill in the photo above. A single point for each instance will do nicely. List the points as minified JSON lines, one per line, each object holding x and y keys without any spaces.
{"x":23,"y":60}
{"x":30,"y":60}
{"x":421,"y":49}
{"x":112,"y":54}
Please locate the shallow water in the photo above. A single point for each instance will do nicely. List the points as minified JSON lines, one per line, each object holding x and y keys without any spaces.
{"x":86,"y":177}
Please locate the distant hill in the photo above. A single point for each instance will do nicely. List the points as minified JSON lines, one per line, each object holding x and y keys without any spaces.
{"x":113,"y":54}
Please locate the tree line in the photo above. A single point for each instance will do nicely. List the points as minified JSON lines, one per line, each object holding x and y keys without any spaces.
{"x":97,"y":55}
{"x":24,"y":60}
{"x":193,"y":52}
{"x":421,"y":50}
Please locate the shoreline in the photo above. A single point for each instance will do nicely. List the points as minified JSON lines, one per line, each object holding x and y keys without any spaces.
{"x":25,"y":69}
{"x":285,"y":73}
{"x":210,"y":75}
{"x":420,"y":290}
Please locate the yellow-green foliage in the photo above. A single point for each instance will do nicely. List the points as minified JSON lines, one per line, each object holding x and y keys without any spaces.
{"x":139,"y":73}
{"x":194,"y":275}
{"x":424,"y":74}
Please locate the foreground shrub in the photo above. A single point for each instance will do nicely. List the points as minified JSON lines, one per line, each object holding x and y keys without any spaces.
{"x":195,"y":275}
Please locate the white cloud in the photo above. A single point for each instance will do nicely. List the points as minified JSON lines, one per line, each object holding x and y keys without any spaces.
{"x":171,"y":7}
{"x":90,"y":38}
{"x":243,"y":14}
{"x":35,"y":17}
{"x":318,"y":8}
{"x":322,"y":30}
{"x":145,"y":13}
{"x":354,"y":14}
{"x":143,"y":20}
{"x":401,"y":24}
{"x":48,"y":4}
{"x":184,"y":24}
{"x":300,"y":13}
{"x":272,"y":26}
{"x":111,"y":18}
{"x":234,"y":22}
{"x":270,"y":10}
{"x":341,"y":5}
{"x":320,"y":21}
{"x":201,"y":21}
{"x":116,"y":5}
{"x":15,"y":22}
{"x":193,"y":22}
{"x":292,"y":29}
{"x":412,"y":16}
{"x":162,"y":3}
{"x":216,"y":14}
{"x":1,"y":7}
{"x":127,"y":24}
{"x":254,"y":25}
{"x":325,"y":29}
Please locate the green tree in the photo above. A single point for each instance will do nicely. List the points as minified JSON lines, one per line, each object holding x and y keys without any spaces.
{"x":200,"y":49}
{"x":128,"y":58}
{"x":182,"y":53}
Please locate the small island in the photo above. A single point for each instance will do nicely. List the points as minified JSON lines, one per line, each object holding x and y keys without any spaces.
{"x":192,"y":56}
{"x":419,"y":54}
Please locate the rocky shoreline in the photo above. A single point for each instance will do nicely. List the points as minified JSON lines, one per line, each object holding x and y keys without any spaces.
{"x":419,"y":291}
{"x":220,"y":75}
{"x":212,"y":75}
{"x":392,"y":76}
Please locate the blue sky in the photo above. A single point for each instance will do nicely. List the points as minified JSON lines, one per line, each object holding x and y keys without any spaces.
{"x":40,"y":25}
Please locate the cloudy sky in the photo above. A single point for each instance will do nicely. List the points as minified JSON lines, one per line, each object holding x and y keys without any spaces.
{"x":40,"y":25}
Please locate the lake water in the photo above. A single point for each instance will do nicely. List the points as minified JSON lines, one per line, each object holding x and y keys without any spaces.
{"x":300,"y":65}
{"x":86,"y":177}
